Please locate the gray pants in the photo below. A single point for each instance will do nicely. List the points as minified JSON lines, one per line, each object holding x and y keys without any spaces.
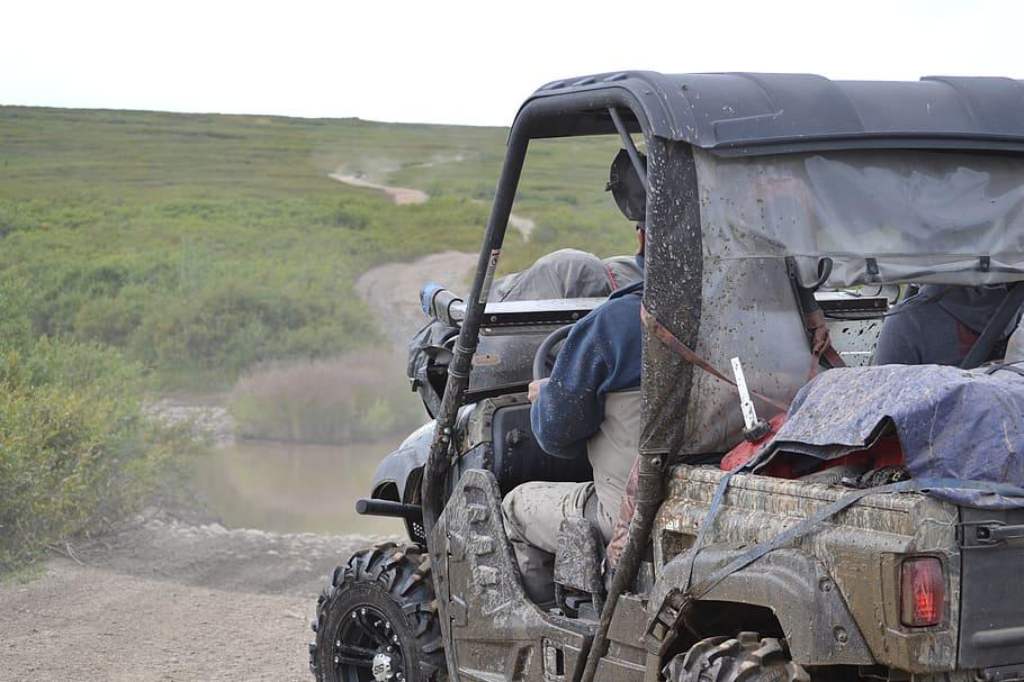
{"x":533,"y":514}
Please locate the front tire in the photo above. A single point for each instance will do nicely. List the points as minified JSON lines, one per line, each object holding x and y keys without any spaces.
{"x":377,"y":620}
{"x":745,"y":658}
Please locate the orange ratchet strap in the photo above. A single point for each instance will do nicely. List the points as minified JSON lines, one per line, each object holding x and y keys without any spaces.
{"x":821,"y":343}
{"x":663,"y":334}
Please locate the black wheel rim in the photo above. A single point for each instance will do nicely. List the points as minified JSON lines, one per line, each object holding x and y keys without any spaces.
{"x":366,"y":636}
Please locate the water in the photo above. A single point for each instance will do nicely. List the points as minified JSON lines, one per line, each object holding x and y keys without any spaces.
{"x":290,"y":488}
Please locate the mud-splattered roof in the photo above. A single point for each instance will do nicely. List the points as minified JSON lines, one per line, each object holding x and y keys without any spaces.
{"x":750,"y":113}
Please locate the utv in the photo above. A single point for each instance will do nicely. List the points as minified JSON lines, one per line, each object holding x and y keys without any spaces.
{"x":761,"y":189}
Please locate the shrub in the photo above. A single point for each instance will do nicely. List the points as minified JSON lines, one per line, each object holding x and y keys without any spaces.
{"x":75,"y":451}
{"x":351,"y":218}
{"x":15,"y":319}
{"x":360,"y":396}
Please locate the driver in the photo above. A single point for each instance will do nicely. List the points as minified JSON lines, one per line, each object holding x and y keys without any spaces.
{"x":590,"y":407}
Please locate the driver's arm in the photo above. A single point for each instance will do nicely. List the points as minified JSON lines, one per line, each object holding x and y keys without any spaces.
{"x":600,"y":355}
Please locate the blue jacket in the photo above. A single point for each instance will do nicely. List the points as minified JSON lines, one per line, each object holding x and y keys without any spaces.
{"x":601,"y":355}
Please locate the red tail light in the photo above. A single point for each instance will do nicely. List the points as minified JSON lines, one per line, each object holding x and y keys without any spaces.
{"x":923,"y":592}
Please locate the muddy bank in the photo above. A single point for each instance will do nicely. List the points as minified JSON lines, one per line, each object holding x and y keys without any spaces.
{"x":208,"y":418}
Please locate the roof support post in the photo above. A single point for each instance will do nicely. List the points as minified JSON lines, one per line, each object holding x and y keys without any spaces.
{"x":627,"y":142}
{"x":436,"y":470}
{"x":672,"y":291}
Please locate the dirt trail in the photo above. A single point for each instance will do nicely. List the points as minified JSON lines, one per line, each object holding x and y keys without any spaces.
{"x":524,"y":225}
{"x":392,"y":290}
{"x":406,"y":195}
{"x":400,"y":195}
{"x":164,"y":599}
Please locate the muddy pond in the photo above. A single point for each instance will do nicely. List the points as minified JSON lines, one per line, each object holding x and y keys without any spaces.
{"x":292,"y":488}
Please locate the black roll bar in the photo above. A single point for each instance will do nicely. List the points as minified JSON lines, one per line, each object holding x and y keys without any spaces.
{"x":627,"y":142}
{"x":435,"y":472}
{"x":436,"y":469}
{"x":530,"y":121}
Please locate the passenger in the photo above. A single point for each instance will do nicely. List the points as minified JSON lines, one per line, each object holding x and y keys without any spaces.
{"x":939,"y":325}
{"x":590,"y":407}
{"x":567,"y":273}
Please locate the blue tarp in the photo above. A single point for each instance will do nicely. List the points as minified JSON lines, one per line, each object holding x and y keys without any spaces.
{"x":951,"y":423}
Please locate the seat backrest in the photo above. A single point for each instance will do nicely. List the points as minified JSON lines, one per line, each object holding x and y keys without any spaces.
{"x":518,"y":457}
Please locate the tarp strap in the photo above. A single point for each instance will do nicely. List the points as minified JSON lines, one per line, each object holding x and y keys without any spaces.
{"x":672,"y":342}
{"x":994,"y":330}
{"x":1009,"y":367}
{"x":821,"y":343}
{"x":813,"y":316}
{"x":812,"y":522}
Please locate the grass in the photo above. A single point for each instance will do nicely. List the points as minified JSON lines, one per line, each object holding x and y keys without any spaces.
{"x":201,"y":246}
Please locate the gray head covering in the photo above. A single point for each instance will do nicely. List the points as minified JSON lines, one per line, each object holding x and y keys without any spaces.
{"x":971,"y":306}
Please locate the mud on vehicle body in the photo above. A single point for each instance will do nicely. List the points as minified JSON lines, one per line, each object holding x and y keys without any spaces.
{"x":763,"y":191}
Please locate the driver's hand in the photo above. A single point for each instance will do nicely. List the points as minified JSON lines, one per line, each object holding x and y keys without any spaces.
{"x":533,"y":392}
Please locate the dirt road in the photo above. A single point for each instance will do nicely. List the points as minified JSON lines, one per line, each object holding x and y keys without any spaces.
{"x":392,"y":290}
{"x":406,"y":195}
{"x":163,"y":599}
{"x":400,"y":195}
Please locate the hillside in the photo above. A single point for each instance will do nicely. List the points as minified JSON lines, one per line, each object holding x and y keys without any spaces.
{"x":201,"y":245}
{"x":146,"y":253}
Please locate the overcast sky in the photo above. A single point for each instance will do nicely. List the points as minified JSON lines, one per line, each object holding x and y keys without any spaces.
{"x":463,"y":62}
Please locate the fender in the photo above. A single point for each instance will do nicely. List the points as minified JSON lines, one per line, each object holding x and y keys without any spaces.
{"x":797,"y":588}
{"x":403,"y":467}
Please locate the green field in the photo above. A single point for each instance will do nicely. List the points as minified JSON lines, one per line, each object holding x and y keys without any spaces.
{"x":201,"y":245}
{"x":143,"y":253}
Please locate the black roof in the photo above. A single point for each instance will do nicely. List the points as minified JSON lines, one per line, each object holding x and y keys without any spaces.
{"x":749,"y":113}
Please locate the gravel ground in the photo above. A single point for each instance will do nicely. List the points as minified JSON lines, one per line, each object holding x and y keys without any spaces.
{"x":162,"y":599}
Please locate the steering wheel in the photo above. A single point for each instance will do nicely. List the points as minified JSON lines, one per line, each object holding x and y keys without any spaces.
{"x":544,"y":355}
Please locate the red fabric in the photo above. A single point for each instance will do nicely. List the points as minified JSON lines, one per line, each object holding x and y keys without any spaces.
{"x":886,"y":452}
{"x":966,"y":338}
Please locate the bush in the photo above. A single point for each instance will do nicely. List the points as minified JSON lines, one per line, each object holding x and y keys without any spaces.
{"x":75,"y":451}
{"x":358,"y":397}
{"x":15,"y":319}
{"x":353,"y":219}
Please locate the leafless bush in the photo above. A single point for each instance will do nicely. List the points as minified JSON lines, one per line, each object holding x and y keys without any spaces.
{"x":359,"y":396}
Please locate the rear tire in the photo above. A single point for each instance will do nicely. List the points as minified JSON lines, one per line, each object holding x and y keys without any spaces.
{"x":746,"y":658}
{"x":379,"y":610}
